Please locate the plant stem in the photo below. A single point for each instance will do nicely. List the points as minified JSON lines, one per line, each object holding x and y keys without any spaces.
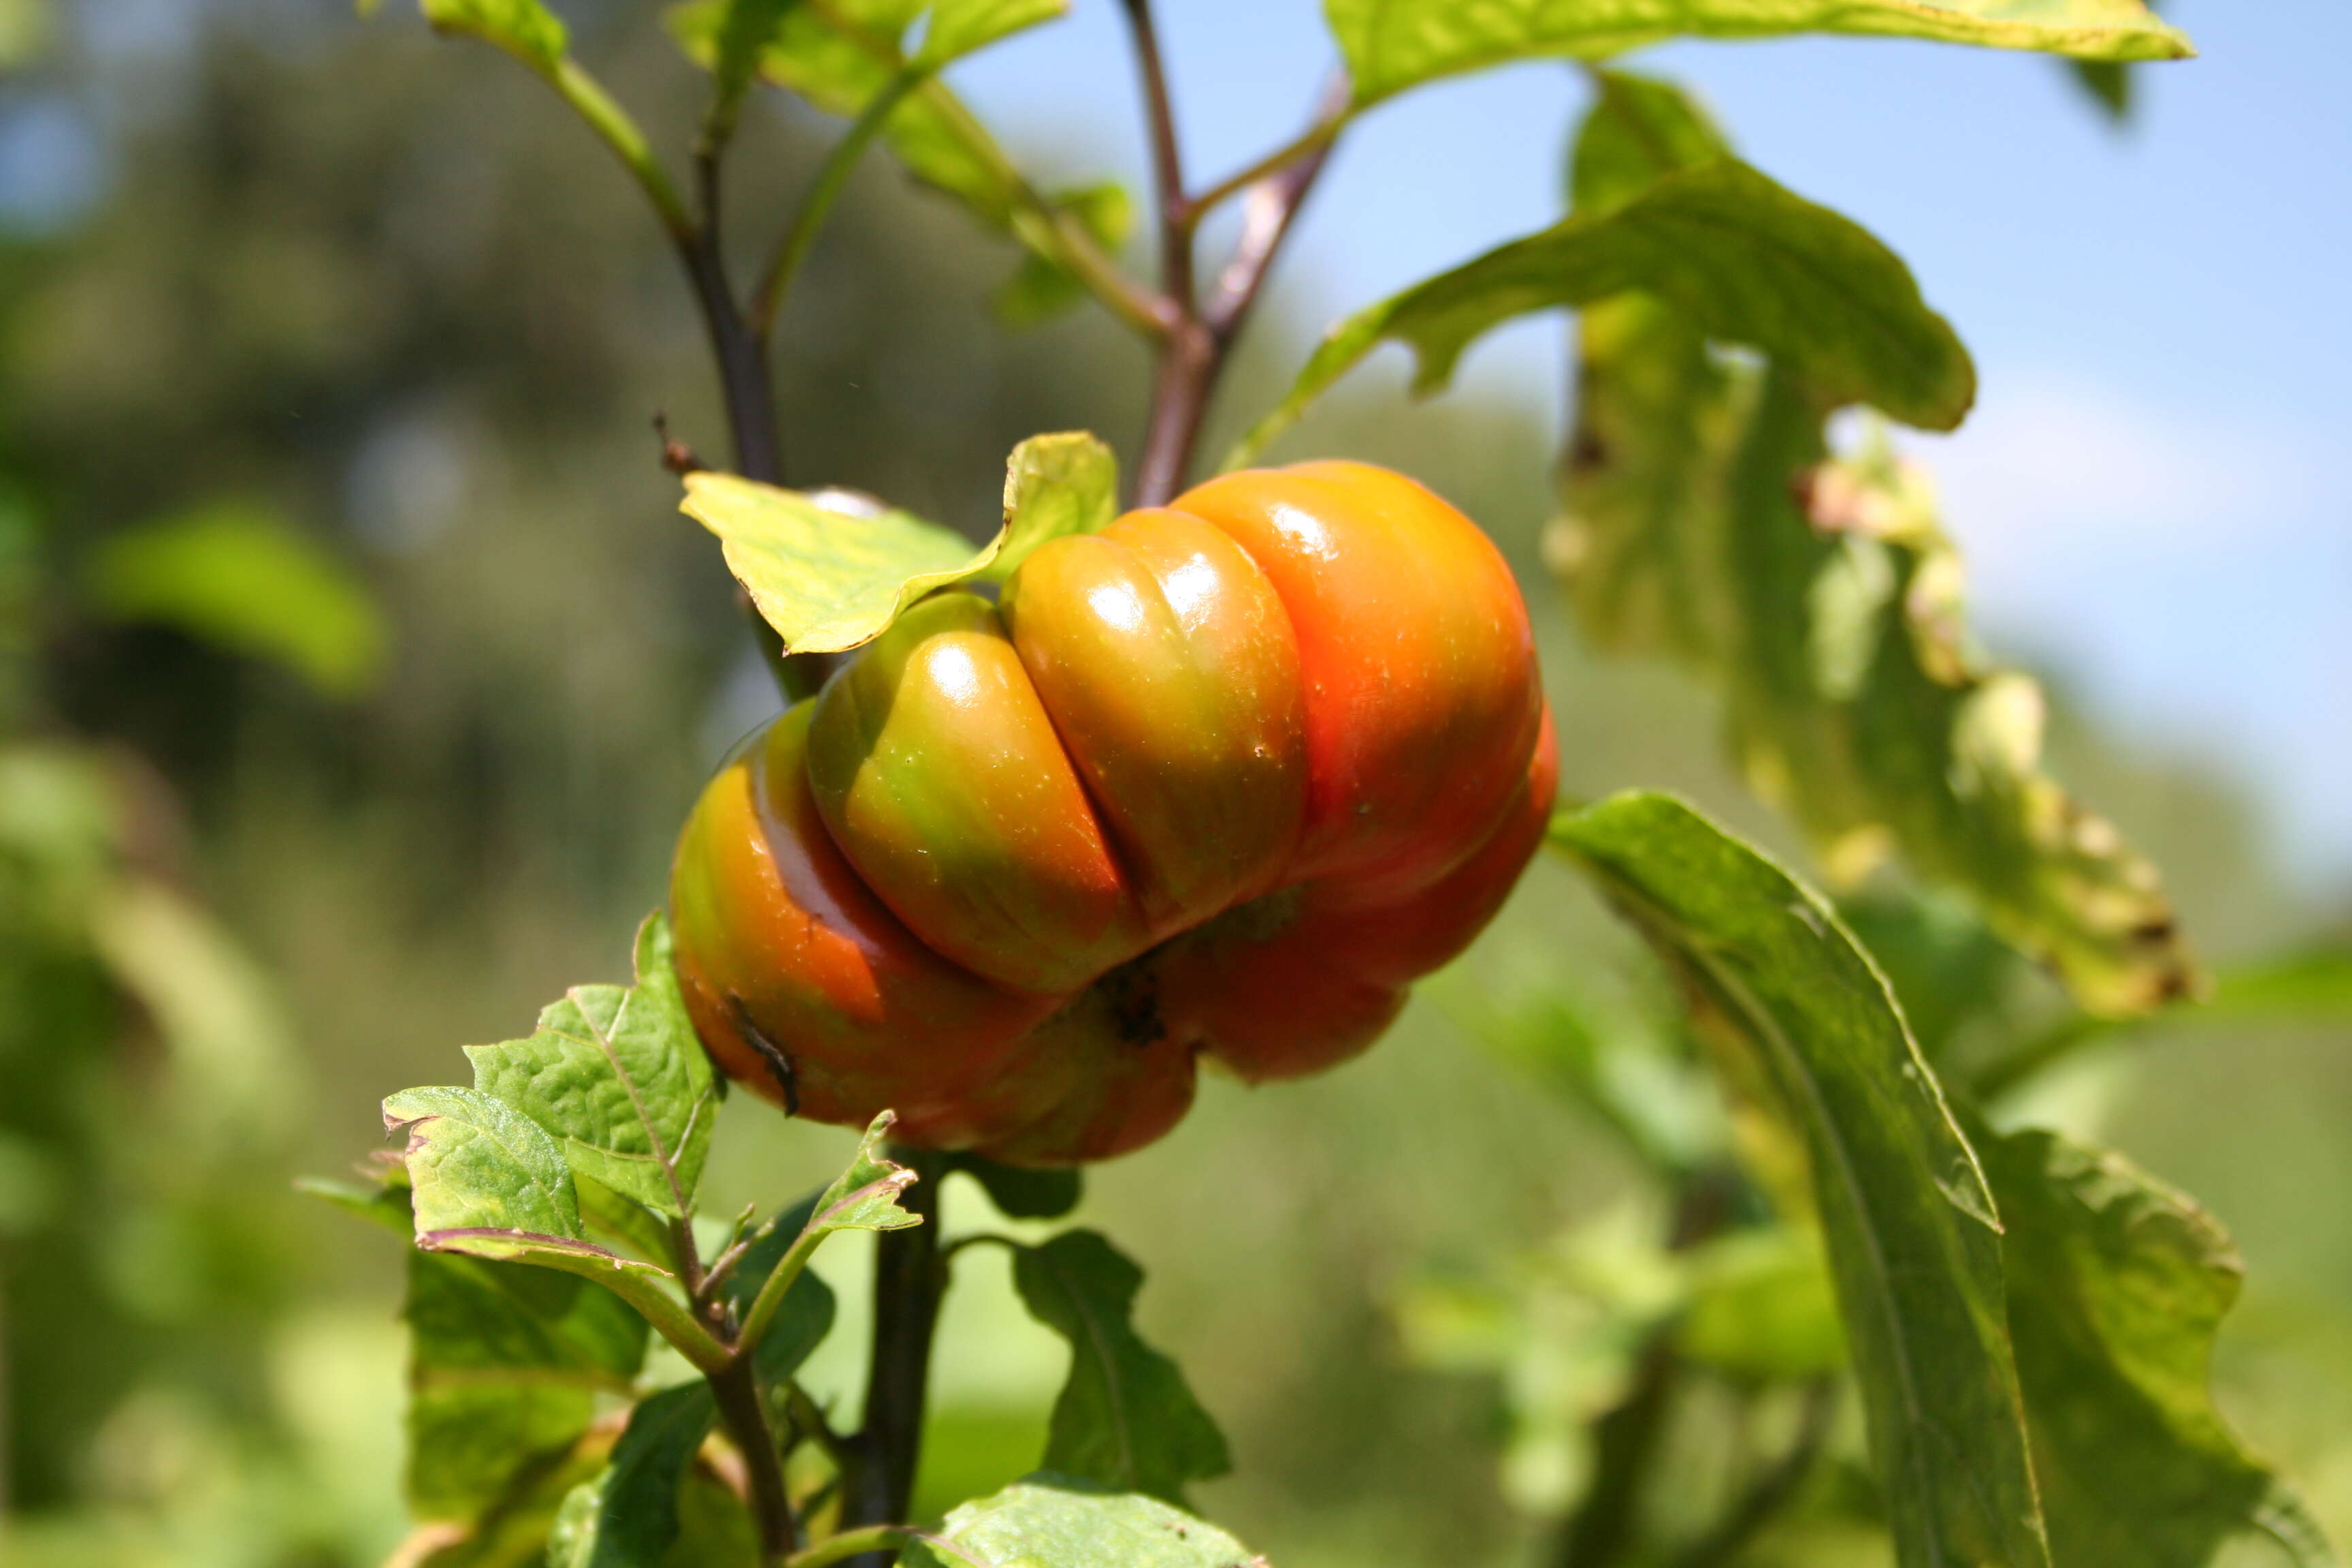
{"x":816,"y":204}
{"x":1195,"y":341}
{"x":908,"y":1280}
{"x":740,"y":1406}
{"x":1770,"y":1491}
{"x":1602,"y":1532}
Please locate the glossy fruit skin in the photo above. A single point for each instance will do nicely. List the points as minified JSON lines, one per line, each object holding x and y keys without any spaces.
{"x":1223,"y":778}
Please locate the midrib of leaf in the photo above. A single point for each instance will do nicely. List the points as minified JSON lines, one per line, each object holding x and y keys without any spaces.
{"x":1768,"y":1026}
{"x":431,"y":1241}
{"x":644,"y":1118}
{"x":1095,"y":1337}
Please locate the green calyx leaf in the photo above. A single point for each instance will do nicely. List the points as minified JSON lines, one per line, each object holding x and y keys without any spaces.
{"x":243,"y":580}
{"x":2117,"y":1286}
{"x":628,"y":1517}
{"x":1744,"y":259}
{"x":1126,"y":1418}
{"x":1058,"y":1521}
{"x":618,"y":1075}
{"x":1392,"y":45}
{"x":526,"y":29}
{"x":831,"y":573}
{"x":1804,"y":1024}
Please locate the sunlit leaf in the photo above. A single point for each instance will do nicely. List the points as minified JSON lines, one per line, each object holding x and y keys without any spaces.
{"x":2117,"y":1287}
{"x":1057,"y":1522}
{"x":246,"y":581}
{"x":1746,"y":260}
{"x":1126,"y":1418}
{"x":526,"y":29}
{"x":960,"y":27}
{"x":831,"y":575}
{"x":1391,"y":45}
{"x":827,"y":579}
{"x":628,"y":1517}
{"x":618,"y":1075}
{"x":1054,"y":485}
{"x":1699,"y":521}
{"x":1911,"y":1230}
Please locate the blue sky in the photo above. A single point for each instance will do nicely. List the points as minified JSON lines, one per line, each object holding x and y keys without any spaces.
{"x":2148,"y":490}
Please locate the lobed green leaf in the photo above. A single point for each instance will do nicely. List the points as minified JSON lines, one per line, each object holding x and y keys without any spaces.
{"x":1125,"y":1418}
{"x":1392,"y":45}
{"x":1058,"y":1521}
{"x":619,"y":1075}
{"x":2117,"y":1286}
{"x":1909,"y":1223}
{"x":1744,"y":259}
{"x":1054,"y":485}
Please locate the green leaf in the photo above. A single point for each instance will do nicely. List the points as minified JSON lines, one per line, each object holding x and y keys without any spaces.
{"x":840,"y":54}
{"x":478,"y":1165}
{"x":1023,"y":1192}
{"x":243,"y":579}
{"x":2107,"y":83}
{"x":1910,"y":1225}
{"x":524,"y":28}
{"x":618,"y":1075}
{"x":1054,"y":485}
{"x":1125,"y":1418}
{"x":1762,"y":1305}
{"x":862,"y":1197}
{"x":1391,"y":45}
{"x":960,"y":27}
{"x":1058,"y":1521}
{"x":1041,"y":288}
{"x":1638,"y":129}
{"x":2116,"y":1287}
{"x":827,"y":578}
{"x":1746,"y":260}
{"x":831,"y":571}
{"x":1698,"y":521}
{"x":628,"y":1517}
{"x":505,"y":1366}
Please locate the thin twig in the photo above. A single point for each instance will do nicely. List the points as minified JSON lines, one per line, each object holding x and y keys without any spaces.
{"x":745,"y":1412}
{"x":1317,"y":137}
{"x":1272,"y":205}
{"x":1176,"y":215}
{"x":816,"y":204}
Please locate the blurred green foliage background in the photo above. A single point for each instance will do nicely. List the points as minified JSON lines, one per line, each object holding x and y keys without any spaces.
{"x":356,"y":668}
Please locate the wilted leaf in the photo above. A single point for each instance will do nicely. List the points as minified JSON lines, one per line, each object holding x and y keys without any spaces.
{"x":1909,"y":1223}
{"x":628,"y":1517}
{"x":1391,"y":45}
{"x":1056,"y":1521}
{"x":1022,"y":1192}
{"x":1744,"y":259}
{"x":1126,"y":1418}
{"x":618,"y":1075}
{"x":2117,"y":1287}
{"x":805,"y":1316}
{"x":243,"y":580}
{"x":862,"y":1197}
{"x":524,"y":28}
